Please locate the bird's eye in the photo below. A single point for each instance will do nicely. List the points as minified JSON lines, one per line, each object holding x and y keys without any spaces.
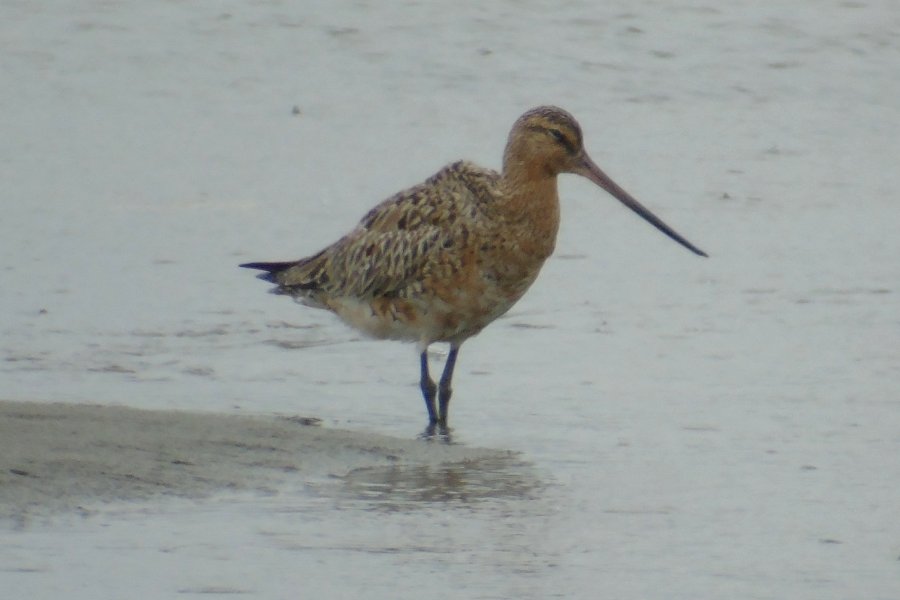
{"x":563,"y":140}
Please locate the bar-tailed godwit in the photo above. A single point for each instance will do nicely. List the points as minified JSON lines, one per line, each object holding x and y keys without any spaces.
{"x":440,"y":261}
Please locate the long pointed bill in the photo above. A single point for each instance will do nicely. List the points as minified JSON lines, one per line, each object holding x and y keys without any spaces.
{"x":590,"y":170}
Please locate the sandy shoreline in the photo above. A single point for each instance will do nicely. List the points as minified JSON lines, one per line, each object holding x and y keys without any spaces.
{"x":57,"y":458}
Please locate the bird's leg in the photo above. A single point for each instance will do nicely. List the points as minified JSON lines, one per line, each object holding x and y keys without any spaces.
{"x":445,"y":390}
{"x":428,"y":389}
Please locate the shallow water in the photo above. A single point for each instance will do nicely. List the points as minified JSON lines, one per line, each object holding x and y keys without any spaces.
{"x":685,"y":428}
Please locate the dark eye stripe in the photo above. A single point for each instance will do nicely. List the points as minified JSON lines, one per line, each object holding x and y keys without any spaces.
{"x":558,"y":135}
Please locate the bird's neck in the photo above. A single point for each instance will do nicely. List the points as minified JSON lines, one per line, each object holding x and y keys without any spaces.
{"x":530,"y":202}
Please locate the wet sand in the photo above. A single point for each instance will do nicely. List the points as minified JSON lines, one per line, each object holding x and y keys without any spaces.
{"x":57,"y":458}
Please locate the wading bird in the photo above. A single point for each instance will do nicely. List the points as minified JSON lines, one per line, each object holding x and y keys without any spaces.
{"x":440,"y":261}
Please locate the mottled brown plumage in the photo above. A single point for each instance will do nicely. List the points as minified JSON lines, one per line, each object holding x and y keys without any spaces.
{"x":440,"y":261}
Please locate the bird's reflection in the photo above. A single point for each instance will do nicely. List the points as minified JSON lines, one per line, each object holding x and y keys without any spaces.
{"x":407,"y":487}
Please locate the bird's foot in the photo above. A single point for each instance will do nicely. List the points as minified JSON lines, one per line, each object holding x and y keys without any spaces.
{"x":436,"y":431}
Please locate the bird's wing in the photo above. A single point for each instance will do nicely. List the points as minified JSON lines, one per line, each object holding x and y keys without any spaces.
{"x":399,"y":239}
{"x":376,"y":263}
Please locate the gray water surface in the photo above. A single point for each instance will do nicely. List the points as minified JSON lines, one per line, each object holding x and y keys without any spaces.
{"x":676,"y":427}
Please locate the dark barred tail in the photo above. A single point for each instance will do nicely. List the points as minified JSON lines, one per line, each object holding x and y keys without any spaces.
{"x":272,"y":269}
{"x":297,"y":278}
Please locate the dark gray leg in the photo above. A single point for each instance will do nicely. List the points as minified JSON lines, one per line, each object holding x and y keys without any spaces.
{"x":428,"y":389}
{"x":445,"y":390}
